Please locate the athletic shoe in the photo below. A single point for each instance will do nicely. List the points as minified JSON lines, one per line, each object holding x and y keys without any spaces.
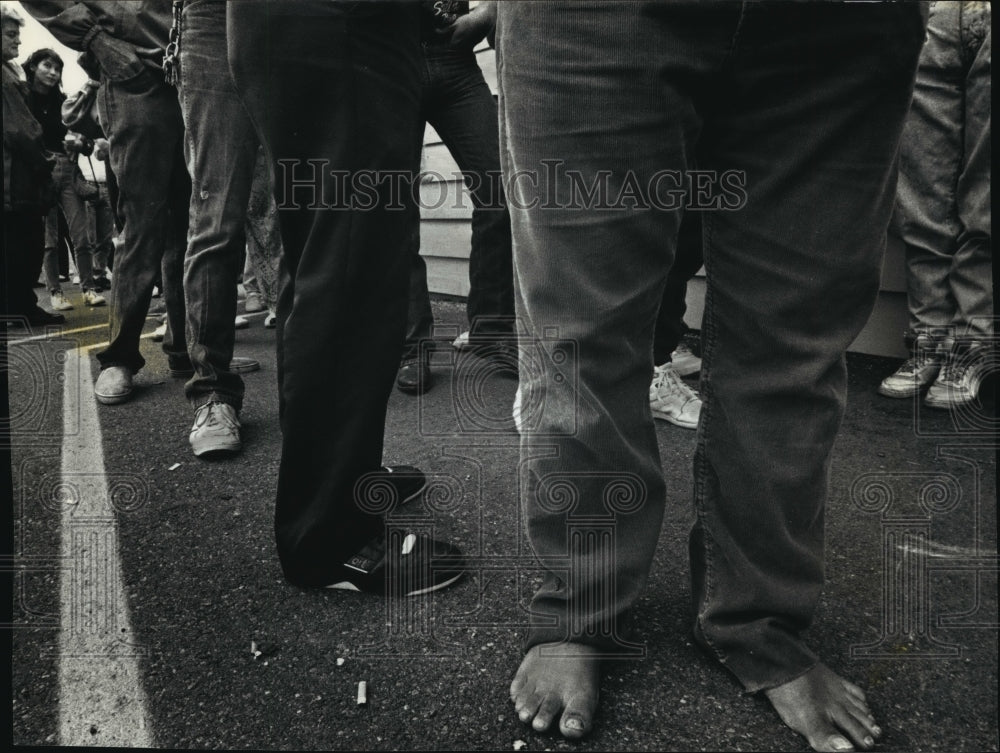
{"x":59,"y":302}
{"x":241,"y":322}
{"x":271,"y":320}
{"x":916,"y":373}
{"x":93,"y":298}
{"x":216,"y":430}
{"x":397,"y":563}
{"x":254,"y":303}
{"x":114,"y":385}
{"x":959,"y":380}
{"x":685,"y":361}
{"x":159,"y":333}
{"x":672,"y":400}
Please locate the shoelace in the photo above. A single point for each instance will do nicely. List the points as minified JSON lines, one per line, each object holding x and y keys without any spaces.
{"x":673,"y":384}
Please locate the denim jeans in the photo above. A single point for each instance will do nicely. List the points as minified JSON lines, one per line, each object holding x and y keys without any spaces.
{"x":794,"y":112}
{"x":457,"y":102}
{"x":337,"y":91}
{"x":142,"y":121}
{"x":221,"y":148}
{"x":74,"y":210}
{"x":263,"y":236}
{"x":944,"y":182}
{"x":670,"y":326}
{"x":100,"y":228}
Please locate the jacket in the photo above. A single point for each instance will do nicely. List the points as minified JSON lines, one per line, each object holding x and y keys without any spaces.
{"x":27,"y":167}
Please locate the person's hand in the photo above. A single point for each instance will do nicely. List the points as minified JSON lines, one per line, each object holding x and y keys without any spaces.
{"x":469,"y":30}
{"x":101,"y":147}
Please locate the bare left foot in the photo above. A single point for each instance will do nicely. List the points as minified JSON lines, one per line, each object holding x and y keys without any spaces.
{"x":558,"y":681}
{"x":830,"y":712}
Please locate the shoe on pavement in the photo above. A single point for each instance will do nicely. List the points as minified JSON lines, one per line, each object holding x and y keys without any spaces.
{"x":914,"y":374}
{"x":271,"y":320}
{"x":114,"y":385}
{"x":685,"y":361}
{"x":959,"y":381}
{"x":101,"y":283}
{"x":216,"y":429}
{"x":59,"y":302}
{"x":41,"y":317}
{"x":414,"y":376}
{"x":93,"y":298}
{"x":397,"y":563}
{"x":159,"y":333}
{"x":241,"y":322}
{"x":672,"y":400}
{"x":254,"y":303}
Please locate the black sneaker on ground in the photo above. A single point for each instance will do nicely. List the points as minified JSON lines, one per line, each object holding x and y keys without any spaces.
{"x":397,"y":563}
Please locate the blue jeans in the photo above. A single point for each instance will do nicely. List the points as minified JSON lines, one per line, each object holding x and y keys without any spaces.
{"x":794,"y":112}
{"x":220,"y":148}
{"x":456,"y":100}
{"x":74,"y":210}
{"x":338,"y":87}
{"x":142,"y":121}
{"x":944,"y":181}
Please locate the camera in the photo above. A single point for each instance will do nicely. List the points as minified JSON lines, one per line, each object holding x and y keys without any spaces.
{"x":76,"y":143}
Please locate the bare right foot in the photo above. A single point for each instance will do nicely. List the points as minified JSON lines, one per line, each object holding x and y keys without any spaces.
{"x":827,"y":710}
{"x":558,"y":680}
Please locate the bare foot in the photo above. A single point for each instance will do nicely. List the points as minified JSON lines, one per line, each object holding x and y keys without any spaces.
{"x":823,"y":707}
{"x":558,"y":680}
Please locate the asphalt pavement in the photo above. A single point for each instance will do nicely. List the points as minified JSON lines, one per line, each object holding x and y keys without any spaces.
{"x":149,"y":609}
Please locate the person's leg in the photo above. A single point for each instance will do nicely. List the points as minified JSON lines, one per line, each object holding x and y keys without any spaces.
{"x":22,"y":231}
{"x":930,"y":163}
{"x":809,"y":113}
{"x":50,"y":262}
{"x":220,"y":148}
{"x":670,"y":326}
{"x":972,"y":269}
{"x":589,"y":276}
{"x":463,"y":112}
{"x":75,"y":211}
{"x":340,"y":87}
{"x":143,"y":122}
{"x":263,"y":235}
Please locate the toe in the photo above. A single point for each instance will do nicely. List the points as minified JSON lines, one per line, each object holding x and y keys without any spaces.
{"x":855,"y":728}
{"x":526,"y":705}
{"x":854,"y":690}
{"x":834,"y":742}
{"x":546,"y":714}
{"x":576,"y":719}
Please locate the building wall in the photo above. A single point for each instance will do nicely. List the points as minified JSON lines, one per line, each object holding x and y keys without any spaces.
{"x":445,"y":237}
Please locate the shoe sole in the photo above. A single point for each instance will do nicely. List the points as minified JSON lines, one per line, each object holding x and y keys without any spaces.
{"x":95,"y":305}
{"x":675,"y":421}
{"x":902,"y":392}
{"x":113,"y":399}
{"x":348,"y":586}
{"x":217,"y":449}
{"x":946,"y":403}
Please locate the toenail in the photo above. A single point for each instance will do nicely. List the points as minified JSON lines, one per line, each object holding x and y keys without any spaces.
{"x":574,"y":723}
{"x":842,"y":744}
{"x":525,"y":716}
{"x":869,"y":741}
{"x":877,"y":730}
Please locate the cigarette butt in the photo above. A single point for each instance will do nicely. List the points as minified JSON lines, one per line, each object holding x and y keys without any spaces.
{"x":174,"y":467}
{"x":362,"y":693}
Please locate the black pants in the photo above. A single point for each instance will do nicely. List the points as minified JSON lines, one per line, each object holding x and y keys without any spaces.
{"x":334,"y":102}
{"x":23,"y":241}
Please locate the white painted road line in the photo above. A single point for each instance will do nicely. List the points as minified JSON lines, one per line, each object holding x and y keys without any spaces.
{"x":56,"y":332}
{"x":101,"y":698}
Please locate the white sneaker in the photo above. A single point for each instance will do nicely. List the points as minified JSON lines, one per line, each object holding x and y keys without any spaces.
{"x":59,"y":302}
{"x":159,"y":333}
{"x":685,"y":361}
{"x":672,"y":400}
{"x":960,"y":379}
{"x":93,"y":298}
{"x":241,"y":322}
{"x":271,"y":320}
{"x":914,"y":374}
{"x":254,"y":303}
{"x":216,"y":429}
{"x":461,"y":342}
